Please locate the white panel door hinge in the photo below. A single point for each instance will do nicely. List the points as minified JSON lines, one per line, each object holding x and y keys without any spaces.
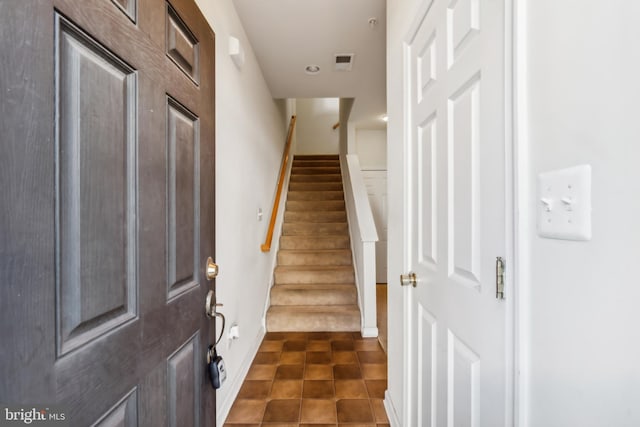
{"x":499,"y":278}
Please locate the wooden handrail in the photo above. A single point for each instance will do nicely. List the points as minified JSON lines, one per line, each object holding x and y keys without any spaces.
{"x":266,"y":246}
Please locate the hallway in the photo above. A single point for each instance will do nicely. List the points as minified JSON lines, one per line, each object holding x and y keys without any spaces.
{"x":314,"y":379}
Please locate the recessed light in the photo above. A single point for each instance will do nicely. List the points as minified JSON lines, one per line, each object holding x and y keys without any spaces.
{"x":312,"y":69}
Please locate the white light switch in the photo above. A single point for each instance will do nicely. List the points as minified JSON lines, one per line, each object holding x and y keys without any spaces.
{"x":564,"y":203}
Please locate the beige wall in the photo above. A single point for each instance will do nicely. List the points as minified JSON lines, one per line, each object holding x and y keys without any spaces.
{"x":250,"y":137}
{"x":315,"y":133}
{"x":371,"y":147}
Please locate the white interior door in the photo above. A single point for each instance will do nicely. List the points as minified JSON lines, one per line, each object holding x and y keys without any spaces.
{"x":455,"y":214}
{"x":376,"y":183}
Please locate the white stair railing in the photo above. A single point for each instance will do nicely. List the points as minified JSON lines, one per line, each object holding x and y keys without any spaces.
{"x":364,"y":236}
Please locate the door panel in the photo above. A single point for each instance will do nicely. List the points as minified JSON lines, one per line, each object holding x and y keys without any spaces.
{"x":109,"y":162}
{"x":463,"y":386}
{"x":463,"y":182}
{"x":426,"y":386}
{"x":425,"y":245}
{"x":455,"y":194}
{"x":182,"y":46}
{"x":183,"y":391}
{"x":123,"y":413}
{"x":463,"y":25}
{"x":96,"y":157}
{"x":182,"y":184}
{"x":128,"y":7}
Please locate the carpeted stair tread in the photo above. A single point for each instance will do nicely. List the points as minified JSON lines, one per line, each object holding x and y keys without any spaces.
{"x":291,"y":274}
{"x":315,"y":257}
{"x":316,"y":163}
{"x":315,"y":229}
{"x":315,"y":195}
{"x":314,"y":294}
{"x":320,"y":308}
{"x":316,"y":318}
{"x":315,"y":216}
{"x":315,"y":170}
{"x":314,"y":242}
{"x":316,"y":178}
{"x":318,"y":267}
{"x":315,"y":186}
{"x":315,"y":205}
{"x":316,"y":285}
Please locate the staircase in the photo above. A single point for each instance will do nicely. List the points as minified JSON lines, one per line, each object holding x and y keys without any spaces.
{"x":314,"y":288}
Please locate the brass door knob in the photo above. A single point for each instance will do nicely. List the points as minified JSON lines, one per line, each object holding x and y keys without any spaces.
{"x":408,"y":279}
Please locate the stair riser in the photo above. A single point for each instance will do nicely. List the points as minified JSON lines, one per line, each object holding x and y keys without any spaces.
{"x":316,"y":178}
{"x":316,"y":157}
{"x":309,"y":276}
{"x":315,"y":195}
{"x":315,"y":322}
{"x":280,"y":295}
{"x":342,"y":257}
{"x":316,"y":163}
{"x":315,"y":229}
{"x":310,"y":216}
{"x":315,"y":186}
{"x":307,"y":243}
{"x":315,"y":170}
{"x":311,"y":205}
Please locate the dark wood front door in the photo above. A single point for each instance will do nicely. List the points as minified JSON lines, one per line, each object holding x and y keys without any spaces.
{"x":107,"y":198}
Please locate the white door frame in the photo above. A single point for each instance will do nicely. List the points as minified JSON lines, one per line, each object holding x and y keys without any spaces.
{"x":516,"y":324}
{"x":519,"y":275}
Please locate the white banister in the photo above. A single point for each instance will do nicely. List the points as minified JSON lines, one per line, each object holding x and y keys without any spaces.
{"x":363,"y":241}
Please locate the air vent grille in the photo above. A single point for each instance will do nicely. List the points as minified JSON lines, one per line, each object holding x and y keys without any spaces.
{"x":343,"y":61}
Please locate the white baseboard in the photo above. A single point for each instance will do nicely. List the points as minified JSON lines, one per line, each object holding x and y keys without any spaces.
{"x":392,"y":414}
{"x":234,"y":388}
{"x":369,"y":332}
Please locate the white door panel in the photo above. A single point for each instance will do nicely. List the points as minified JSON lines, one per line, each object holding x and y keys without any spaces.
{"x":455,"y":211}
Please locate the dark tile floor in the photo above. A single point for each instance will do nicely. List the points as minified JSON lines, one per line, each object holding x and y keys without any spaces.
{"x":317,"y":379}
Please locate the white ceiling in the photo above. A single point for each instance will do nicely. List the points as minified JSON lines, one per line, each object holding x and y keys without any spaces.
{"x":288,"y":35}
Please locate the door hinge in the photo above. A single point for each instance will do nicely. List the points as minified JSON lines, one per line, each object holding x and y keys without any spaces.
{"x":499,"y":278}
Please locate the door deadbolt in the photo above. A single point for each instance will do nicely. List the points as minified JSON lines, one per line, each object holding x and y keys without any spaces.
{"x":211,"y":270}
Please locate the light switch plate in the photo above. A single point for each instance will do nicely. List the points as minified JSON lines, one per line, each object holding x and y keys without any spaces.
{"x":564,"y":203}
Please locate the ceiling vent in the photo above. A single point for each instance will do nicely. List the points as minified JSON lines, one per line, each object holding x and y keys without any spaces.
{"x":344,"y":61}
